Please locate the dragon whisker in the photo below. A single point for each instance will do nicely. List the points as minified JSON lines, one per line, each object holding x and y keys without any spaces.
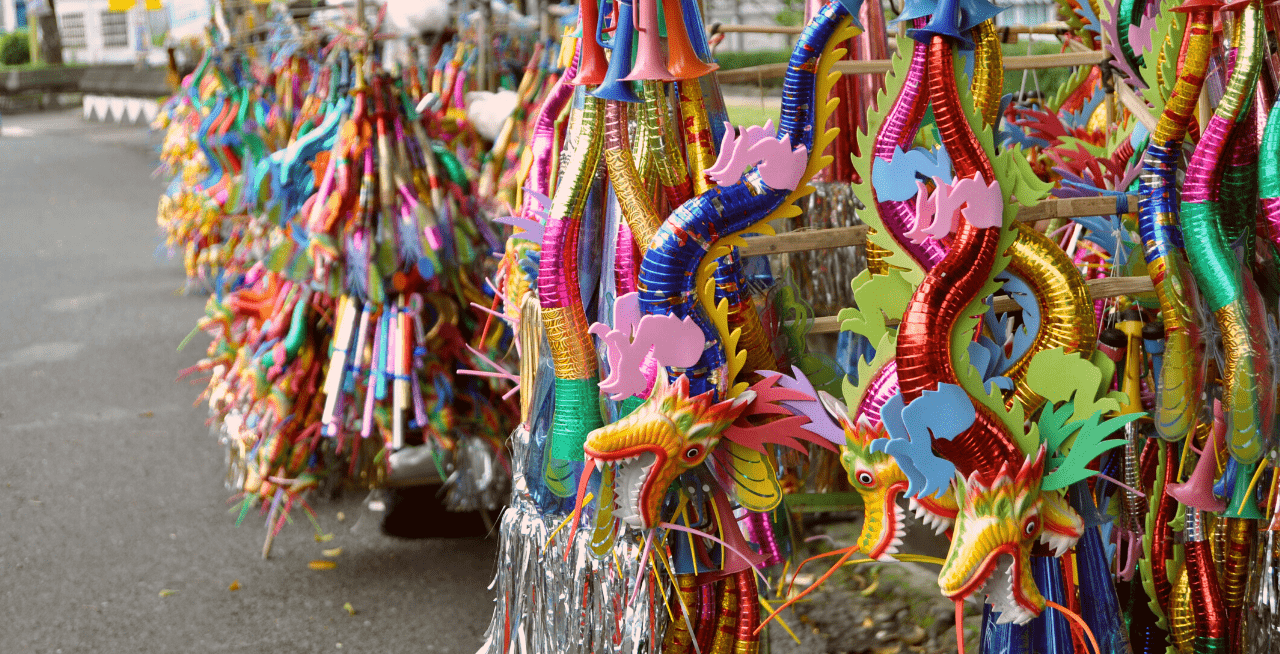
{"x":689,"y":530}
{"x":644,"y":555}
{"x":583,"y":498}
{"x":1075,"y":617}
{"x":850,"y":549}
{"x":808,"y":590}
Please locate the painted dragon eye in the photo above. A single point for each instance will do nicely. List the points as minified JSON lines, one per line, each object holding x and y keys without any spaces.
{"x":693,"y":453}
{"x":1031,"y":527}
{"x":866,"y":479}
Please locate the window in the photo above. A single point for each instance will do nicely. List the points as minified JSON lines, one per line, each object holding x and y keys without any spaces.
{"x":71,"y":29}
{"x":115,"y":29}
{"x":1037,"y":14}
{"x":158,"y":21}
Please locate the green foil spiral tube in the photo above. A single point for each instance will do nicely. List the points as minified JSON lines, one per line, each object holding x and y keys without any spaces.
{"x":577,"y":399}
{"x":1214,"y":264}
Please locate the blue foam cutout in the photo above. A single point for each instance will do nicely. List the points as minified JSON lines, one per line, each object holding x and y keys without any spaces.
{"x":1023,"y":336}
{"x":854,"y":8}
{"x":954,"y":19}
{"x":942,"y":414}
{"x":895,"y":179}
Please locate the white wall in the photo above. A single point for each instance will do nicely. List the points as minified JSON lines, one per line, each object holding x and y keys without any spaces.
{"x":94,"y":49}
{"x":8,"y":15}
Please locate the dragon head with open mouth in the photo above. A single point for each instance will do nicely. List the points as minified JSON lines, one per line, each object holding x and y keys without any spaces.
{"x":667,"y":435}
{"x":880,"y":482}
{"x":1001,"y":517}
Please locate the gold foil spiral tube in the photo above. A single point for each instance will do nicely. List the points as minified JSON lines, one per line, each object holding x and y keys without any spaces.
{"x":1066,"y":312}
{"x":1238,"y":534}
{"x":1217,"y":537}
{"x":988,"y":72}
{"x":663,"y":145}
{"x":574,"y":356}
{"x":725,"y":623}
{"x":697,"y":135}
{"x":678,"y":639}
{"x":633,"y":198}
{"x":1186,"y":91}
{"x":1182,"y":621}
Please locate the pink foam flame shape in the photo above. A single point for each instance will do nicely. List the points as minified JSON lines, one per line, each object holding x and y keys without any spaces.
{"x":938,"y":214}
{"x":638,"y":348}
{"x":780,"y":166}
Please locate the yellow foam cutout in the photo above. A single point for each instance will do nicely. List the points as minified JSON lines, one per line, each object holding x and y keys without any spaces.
{"x":704,"y":284}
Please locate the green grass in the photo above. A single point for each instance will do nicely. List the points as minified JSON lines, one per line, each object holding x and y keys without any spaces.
{"x":750,"y":115}
{"x":732,"y":60}
{"x":1050,"y":78}
{"x":37,"y":66}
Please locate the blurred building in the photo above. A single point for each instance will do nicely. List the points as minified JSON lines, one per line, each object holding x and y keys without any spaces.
{"x":13,"y":15}
{"x":92,"y":33}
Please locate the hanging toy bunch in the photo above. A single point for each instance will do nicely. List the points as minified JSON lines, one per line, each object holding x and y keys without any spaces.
{"x":647,"y":497}
{"x":478,"y":88}
{"x":215,"y":129}
{"x":1101,"y":454}
{"x":351,"y":342}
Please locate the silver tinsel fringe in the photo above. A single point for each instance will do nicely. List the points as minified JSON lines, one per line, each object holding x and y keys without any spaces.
{"x":547,"y":602}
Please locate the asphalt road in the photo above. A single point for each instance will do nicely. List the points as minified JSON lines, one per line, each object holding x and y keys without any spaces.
{"x":115,"y":534}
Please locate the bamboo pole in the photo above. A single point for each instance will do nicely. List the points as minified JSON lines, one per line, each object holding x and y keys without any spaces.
{"x":1098,"y":289}
{"x":838,"y":237}
{"x":881,"y":66}
{"x":718,"y":28}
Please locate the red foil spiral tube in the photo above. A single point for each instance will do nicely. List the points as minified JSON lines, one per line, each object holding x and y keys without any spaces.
{"x":746,"y":640}
{"x":1206,"y":596}
{"x":1166,"y":508}
{"x":1237,"y":551}
{"x":924,"y":337}
{"x":705,"y":631}
{"x":678,"y":639}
